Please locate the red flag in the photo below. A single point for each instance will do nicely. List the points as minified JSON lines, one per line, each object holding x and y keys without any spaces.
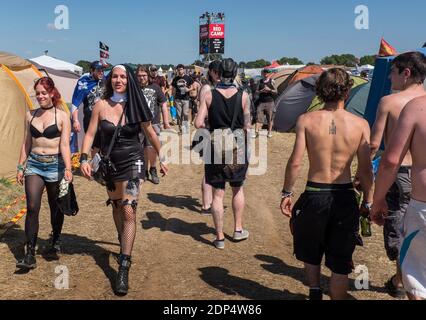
{"x":386,"y":50}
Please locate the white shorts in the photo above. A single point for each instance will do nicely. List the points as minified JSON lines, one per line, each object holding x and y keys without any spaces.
{"x":413,"y":252}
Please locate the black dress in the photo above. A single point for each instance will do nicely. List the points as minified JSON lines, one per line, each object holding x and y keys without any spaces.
{"x":127,"y":154}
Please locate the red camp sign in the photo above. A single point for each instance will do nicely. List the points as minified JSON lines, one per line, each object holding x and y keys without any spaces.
{"x":217,"y":31}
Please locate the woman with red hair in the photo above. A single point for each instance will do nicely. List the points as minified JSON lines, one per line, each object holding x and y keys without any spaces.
{"x":45,"y":160}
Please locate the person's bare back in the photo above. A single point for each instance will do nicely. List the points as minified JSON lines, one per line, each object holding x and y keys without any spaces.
{"x":333,"y":139}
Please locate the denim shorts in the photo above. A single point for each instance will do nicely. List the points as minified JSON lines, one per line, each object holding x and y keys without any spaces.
{"x":50,"y":168}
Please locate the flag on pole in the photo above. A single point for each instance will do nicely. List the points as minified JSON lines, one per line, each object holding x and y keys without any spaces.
{"x":386,"y":50}
{"x":103,"y":46}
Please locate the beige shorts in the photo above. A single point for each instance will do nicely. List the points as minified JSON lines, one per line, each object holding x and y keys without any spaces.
{"x":267,"y":107}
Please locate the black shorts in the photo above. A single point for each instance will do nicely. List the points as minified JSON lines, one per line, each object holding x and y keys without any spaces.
{"x":326,"y":222}
{"x":222,"y":185}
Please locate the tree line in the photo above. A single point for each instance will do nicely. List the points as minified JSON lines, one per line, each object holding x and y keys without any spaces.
{"x":347,"y":60}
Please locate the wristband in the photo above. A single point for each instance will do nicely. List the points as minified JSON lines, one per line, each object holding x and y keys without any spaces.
{"x":20,"y":168}
{"x":287,"y":194}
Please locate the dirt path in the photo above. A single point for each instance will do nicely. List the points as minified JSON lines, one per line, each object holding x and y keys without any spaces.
{"x":173,"y":256}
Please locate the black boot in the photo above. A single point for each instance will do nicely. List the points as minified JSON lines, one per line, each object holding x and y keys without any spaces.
{"x":154,"y":176}
{"x":55,"y":245}
{"x":122,"y":283}
{"x":29,"y":262}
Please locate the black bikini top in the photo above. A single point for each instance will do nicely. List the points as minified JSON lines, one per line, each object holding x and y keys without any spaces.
{"x":50,"y":133}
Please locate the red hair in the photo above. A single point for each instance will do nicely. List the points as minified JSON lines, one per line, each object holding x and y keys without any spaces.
{"x":49,"y":86}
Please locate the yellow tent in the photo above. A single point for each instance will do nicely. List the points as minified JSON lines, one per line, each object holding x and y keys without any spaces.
{"x":17,"y":77}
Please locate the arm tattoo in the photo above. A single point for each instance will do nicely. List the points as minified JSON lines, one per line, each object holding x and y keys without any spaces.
{"x":333,"y":128}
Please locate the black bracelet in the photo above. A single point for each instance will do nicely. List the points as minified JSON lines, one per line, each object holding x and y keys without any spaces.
{"x":84,"y":157}
{"x":287,"y":194}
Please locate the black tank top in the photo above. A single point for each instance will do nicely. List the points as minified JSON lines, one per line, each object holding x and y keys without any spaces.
{"x":221,"y":111}
{"x":266,"y":97}
{"x":50,"y":133}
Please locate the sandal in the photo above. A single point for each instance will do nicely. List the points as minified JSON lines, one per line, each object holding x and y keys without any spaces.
{"x":393,"y":291}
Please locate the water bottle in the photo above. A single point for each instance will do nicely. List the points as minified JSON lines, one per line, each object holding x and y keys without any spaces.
{"x":365,"y":221}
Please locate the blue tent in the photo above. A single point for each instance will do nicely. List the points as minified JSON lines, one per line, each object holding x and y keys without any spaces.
{"x":357,"y":101}
{"x":380,"y":86}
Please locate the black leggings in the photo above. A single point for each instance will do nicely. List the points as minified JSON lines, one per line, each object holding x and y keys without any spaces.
{"x":34,"y":187}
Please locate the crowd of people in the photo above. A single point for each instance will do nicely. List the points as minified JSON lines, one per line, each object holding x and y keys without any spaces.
{"x":125,"y":113}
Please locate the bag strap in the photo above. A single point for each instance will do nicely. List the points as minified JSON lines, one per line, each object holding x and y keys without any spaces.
{"x":235,"y":113}
{"x":111,"y":145}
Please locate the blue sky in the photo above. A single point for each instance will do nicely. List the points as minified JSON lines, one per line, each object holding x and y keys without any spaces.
{"x":166,"y":31}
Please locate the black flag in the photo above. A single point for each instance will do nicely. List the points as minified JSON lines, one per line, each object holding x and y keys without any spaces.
{"x":424,"y":46}
{"x":103,"y":46}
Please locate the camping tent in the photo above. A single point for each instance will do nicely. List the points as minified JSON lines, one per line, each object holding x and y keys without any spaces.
{"x":17,"y":78}
{"x":357,"y":102}
{"x":300,"y":98}
{"x":65,"y":81}
{"x":56,"y":64}
{"x":298,"y":75}
{"x":274,"y":67}
{"x":294,"y":102}
{"x":281,"y":76}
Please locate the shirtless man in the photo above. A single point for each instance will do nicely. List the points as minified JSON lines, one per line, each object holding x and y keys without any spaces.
{"x":408,"y":138}
{"x":325,"y":220}
{"x":407,"y":78}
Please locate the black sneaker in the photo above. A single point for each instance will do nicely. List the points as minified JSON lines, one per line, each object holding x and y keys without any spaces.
{"x":154,"y":176}
{"x":146,"y":175}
